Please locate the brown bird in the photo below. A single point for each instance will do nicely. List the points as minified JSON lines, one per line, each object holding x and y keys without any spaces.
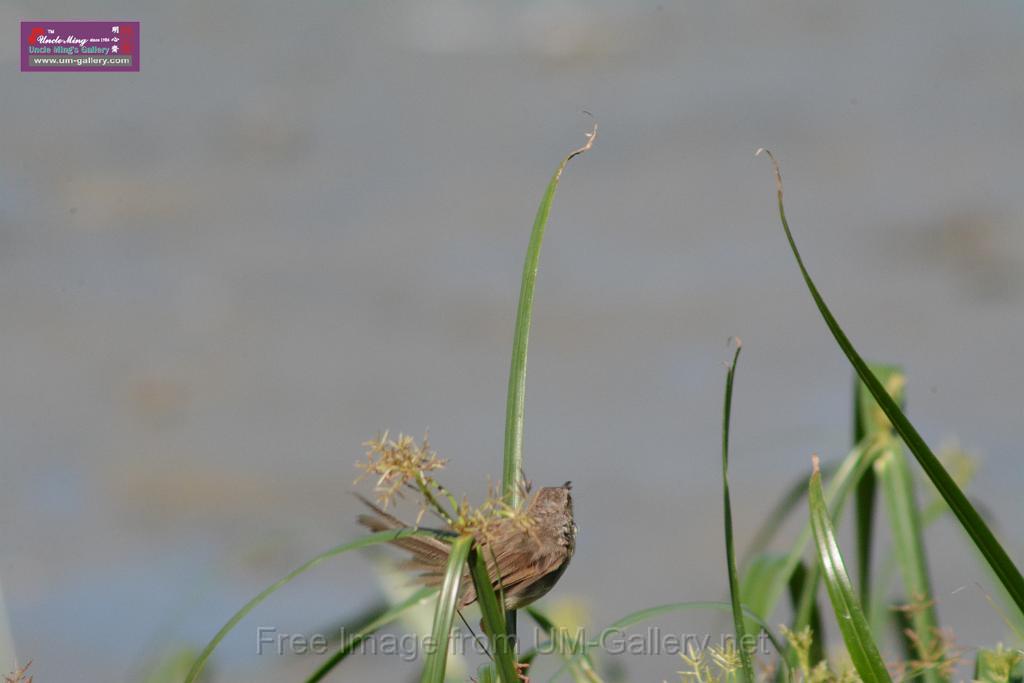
{"x":524,"y":563}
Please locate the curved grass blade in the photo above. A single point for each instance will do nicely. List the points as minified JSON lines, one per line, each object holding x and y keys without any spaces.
{"x":502,"y":647}
{"x":372,"y":539}
{"x":806,"y":603}
{"x":730,"y":552}
{"x":849,"y":472}
{"x":447,"y":601}
{"x":512,"y":465}
{"x":379,"y":621}
{"x":852,"y":624}
{"x":1007,"y":572}
{"x":512,"y":461}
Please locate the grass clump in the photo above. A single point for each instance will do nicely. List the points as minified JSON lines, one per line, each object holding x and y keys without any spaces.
{"x":879,"y":465}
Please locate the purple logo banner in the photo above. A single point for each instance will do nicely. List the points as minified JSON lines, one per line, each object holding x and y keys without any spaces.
{"x":79,"y":45}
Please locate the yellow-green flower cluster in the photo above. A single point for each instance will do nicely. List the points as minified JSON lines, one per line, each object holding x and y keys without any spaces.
{"x":397,"y":463}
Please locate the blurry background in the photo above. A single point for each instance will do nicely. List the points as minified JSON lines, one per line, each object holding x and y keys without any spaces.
{"x":302,"y":223}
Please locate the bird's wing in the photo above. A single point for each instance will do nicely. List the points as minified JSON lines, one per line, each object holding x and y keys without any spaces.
{"x":515,"y":566}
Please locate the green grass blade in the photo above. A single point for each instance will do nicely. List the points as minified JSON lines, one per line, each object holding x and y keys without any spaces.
{"x":512,"y":466}
{"x":1004,"y":568}
{"x":908,"y":547}
{"x":852,"y":624}
{"x":447,"y":602}
{"x":382,"y":619}
{"x":849,"y":472}
{"x":730,"y":552}
{"x":512,"y":461}
{"x":372,"y":539}
{"x":502,"y":647}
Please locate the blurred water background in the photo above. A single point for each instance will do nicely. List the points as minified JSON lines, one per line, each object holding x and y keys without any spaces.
{"x":302,"y":223}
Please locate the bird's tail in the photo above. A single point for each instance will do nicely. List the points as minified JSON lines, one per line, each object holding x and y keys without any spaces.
{"x":429,"y":554}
